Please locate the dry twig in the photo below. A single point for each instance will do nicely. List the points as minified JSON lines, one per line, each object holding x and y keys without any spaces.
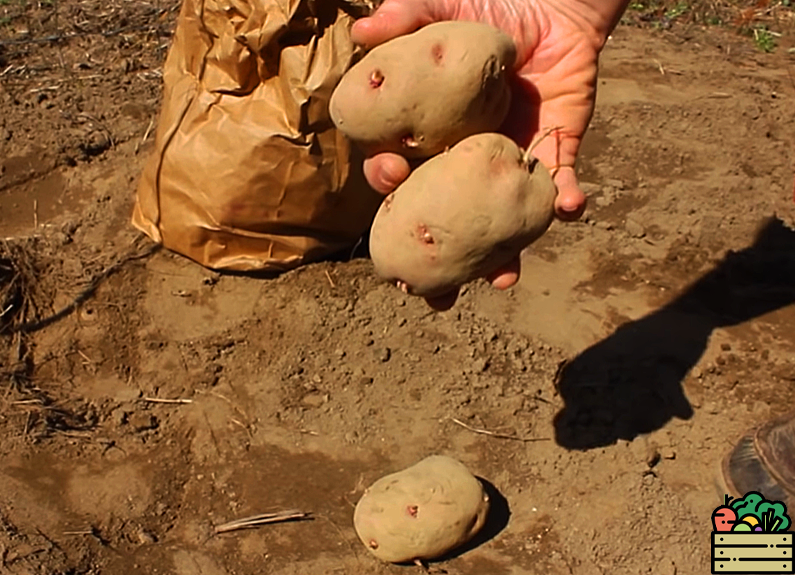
{"x":168,"y":401}
{"x":145,"y":136}
{"x":540,"y":138}
{"x":497,"y":435}
{"x":259,"y":520}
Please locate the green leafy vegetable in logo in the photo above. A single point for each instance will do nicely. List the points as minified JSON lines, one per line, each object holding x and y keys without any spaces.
{"x":777,"y":512}
{"x":748,"y":504}
{"x":760,"y":514}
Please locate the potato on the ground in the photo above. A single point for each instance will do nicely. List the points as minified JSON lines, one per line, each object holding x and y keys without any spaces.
{"x":461,"y":215}
{"x":420,"y":93}
{"x":422,"y":512}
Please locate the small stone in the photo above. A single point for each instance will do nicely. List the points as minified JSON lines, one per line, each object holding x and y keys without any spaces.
{"x":480,"y":365}
{"x":666,"y":567}
{"x":385,"y":354}
{"x":314,"y":399}
{"x":726,"y":347}
{"x":96,"y":143}
{"x":146,"y":538}
{"x":69,"y":228}
{"x":61,"y":238}
{"x":668,"y":453}
{"x":118,"y":417}
{"x":652,"y":457}
{"x":142,"y":421}
{"x":634,"y":229}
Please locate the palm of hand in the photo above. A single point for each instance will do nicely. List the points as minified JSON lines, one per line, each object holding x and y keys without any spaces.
{"x":556,"y":72}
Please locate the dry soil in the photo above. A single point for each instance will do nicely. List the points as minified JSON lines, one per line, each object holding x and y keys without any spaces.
{"x":638,"y":346}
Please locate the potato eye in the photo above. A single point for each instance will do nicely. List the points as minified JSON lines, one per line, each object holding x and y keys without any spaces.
{"x":376,"y":79}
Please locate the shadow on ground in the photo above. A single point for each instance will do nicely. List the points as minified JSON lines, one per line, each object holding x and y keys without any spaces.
{"x":631,"y":382}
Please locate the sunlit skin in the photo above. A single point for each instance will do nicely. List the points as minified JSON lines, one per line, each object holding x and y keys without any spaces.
{"x":558,"y":43}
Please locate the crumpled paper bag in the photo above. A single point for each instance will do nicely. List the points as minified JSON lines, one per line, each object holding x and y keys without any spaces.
{"x":248,"y":172}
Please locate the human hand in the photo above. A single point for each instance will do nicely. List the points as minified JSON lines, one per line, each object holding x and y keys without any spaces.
{"x":554,"y":86}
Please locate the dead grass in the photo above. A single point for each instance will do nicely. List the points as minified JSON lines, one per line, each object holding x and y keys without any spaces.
{"x":21,"y":297}
{"x":764,"y":22}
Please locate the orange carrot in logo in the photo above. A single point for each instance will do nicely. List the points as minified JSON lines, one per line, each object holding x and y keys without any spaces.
{"x":724,"y":517}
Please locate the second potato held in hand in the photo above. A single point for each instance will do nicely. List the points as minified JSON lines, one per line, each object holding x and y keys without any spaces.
{"x":423,"y":92}
{"x":462,"y":215}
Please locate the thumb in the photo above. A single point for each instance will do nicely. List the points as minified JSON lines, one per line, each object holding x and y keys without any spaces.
{"x":570,"y":201}
{"x":392,"y":19}
{"x":558,"y":152}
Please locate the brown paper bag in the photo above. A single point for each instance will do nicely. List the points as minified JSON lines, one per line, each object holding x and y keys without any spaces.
{"x":248,"y":172}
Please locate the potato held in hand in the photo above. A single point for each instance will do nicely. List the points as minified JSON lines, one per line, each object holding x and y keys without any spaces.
{"x":461,"y":215}
{"x":422,"y":512}
{"x":420,"y":93}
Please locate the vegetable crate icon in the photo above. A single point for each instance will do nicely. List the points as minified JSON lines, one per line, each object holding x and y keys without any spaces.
{"x":750,"y":536}
{"x":752,"y":553}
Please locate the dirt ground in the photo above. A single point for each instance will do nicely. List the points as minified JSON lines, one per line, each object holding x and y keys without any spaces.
{"x":639,"y":344}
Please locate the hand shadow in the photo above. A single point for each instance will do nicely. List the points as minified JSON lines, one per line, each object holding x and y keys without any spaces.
{"x":631,"y":383}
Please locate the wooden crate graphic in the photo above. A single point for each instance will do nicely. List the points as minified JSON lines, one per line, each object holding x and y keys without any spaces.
{"x":752,"y":553}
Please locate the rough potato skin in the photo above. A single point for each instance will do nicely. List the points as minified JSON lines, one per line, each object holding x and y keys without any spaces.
{"x":422,"y":512}
{"x":423,"y":92}
{"x":461,"y":215}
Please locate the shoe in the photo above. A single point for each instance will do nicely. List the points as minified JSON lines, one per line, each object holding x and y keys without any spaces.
{"x":763,"y":461}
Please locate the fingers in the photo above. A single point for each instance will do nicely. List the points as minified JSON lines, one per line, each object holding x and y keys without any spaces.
{"x":558,"y":152}
{"x":571,"y":201}
{"x":507,"y":276}
{"x":393,"y":18}
{"x":445,"y":302}
{"x":385,"y":172}
{"x":503,"y":279}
